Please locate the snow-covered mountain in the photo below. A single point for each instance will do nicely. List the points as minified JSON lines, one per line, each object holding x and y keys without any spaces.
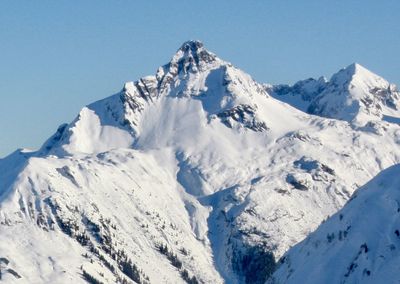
{"x":354,"y":94}
{"x":359,"y":244}
{"x":197,"y":174}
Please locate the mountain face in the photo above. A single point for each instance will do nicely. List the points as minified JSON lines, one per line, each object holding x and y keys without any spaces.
{"x":359,"y":244}
{"x":197,"y":174}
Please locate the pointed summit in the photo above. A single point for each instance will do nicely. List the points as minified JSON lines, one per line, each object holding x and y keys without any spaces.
{"x":352,"y":72}
{"x":191,"y":45}
{"x":356,"y":94}
{"x":355,"y":67}
{"x":192,"y":56}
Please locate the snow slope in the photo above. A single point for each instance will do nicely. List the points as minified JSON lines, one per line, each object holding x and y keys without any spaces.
{"x":195,"y":174}
{"x":359,"y":244}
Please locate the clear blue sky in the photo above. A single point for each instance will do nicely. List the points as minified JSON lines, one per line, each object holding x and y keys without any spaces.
{"x":57,"y":56}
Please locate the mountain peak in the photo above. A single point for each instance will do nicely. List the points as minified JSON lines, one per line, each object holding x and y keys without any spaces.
{"x":354,"y":67}
{"x":192,"y":56}
{"x":358,"y":69}
{"x":191,"y":45}
{"x":354,"y":70}
{"x":354,"y":94}
{"x":364,"y":95}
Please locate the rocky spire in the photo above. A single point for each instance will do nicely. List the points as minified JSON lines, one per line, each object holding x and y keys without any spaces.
{"x":191,"y":56}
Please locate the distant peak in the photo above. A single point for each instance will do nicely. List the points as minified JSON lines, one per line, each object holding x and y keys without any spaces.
{"x":348,"y":73}
{"x":355,"y":68}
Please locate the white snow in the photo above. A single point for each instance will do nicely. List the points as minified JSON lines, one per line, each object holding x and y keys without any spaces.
{"x":353,"y":94}
{"x":359,"y":244}
{"x":200,"y":158}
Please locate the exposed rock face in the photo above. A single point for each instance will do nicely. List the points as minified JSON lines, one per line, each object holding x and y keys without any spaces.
{"x":244,"y":115}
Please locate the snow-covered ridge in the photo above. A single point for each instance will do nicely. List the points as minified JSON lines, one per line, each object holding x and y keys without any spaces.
{"x":359,"y":244}
{"x":195,"y":174}
{"x":353,"y":94}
